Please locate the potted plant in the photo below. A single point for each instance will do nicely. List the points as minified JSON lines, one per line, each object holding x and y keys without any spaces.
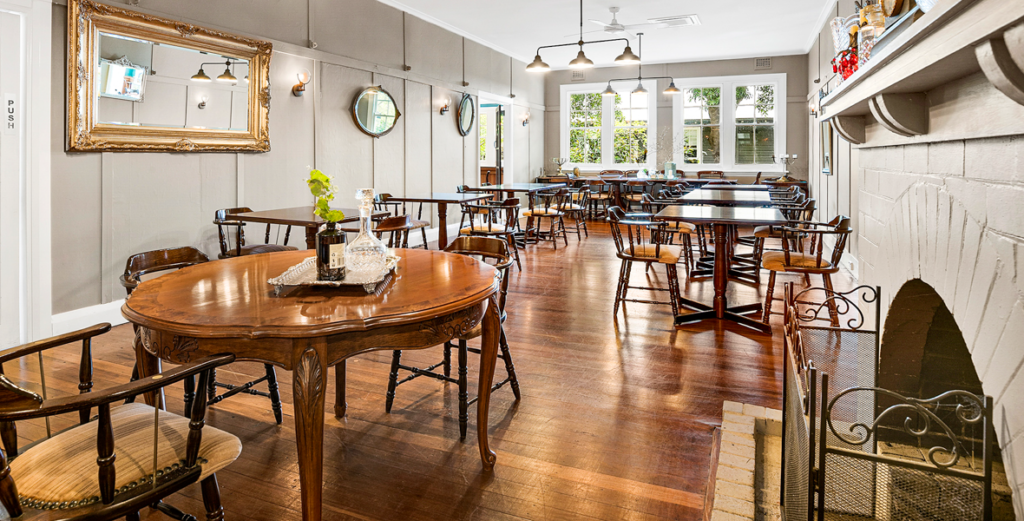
{"x":330,"y":242}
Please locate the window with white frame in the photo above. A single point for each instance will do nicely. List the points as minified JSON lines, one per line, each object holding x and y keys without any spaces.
{"x":608,"y":132}
{"x":729,"y":123}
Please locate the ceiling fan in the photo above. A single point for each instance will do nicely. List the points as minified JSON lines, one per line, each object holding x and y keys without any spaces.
{"x":654,"y":23}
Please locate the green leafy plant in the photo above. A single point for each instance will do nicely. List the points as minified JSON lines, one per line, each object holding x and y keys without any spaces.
{"x":321,"y":188}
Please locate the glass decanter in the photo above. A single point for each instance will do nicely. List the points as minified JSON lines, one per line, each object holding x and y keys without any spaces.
{"x":366,"y":255}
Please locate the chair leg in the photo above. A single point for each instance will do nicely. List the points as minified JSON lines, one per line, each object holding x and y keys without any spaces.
{"x":625,"y":281}
{"x":275,"y":393}
{"x":211,"y":499}
{"x":618,"y":287}
{"x":673,"y":287}
{"x":833,"y":310}
{"x":511,"y":240}
{"x":463,"y":390}
{"x":758,"y":255}
{"x":576,"y":219}
{"x":561,"y":226}
{"x":389,"y":400}
{"x":509,"y":368}
{"x":447,"y":364}
{"x":688,"y":253}
{"x":767,"y":312}
{"x":211,"y":387}
{"x":340,"y":374}
{"x":424,"y":232}
{"x":134,"y":516}
{"x":551,"y":232}
{"x":172,"y":512}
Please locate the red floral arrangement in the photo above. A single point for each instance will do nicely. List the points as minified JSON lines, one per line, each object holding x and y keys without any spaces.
{"x":845,"y":63}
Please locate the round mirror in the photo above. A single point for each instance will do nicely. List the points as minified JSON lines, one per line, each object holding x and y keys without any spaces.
{"x":467,"y":114}
{"x":375,"y":111}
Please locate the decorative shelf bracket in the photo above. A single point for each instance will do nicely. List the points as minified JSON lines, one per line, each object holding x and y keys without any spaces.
{"x":902,"y":114}
{"x":850,"y":128}
{"x":1002,"y":60}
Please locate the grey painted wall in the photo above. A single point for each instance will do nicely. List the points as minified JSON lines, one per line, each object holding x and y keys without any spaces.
{"x":795,"y":67}
{"x":110,"y":205}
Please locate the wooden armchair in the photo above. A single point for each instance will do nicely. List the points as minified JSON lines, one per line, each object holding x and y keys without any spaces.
{"x":78,"y":475}
{"x":147,"y":263}
{"x":792,"y":260}
{"x":492,"y":219}
{"x":638,"y":239}
{"x":383,"y":202}
{"x":492,"y":251}
{"x":710,"y":174}
{"x":222,"y":218}
{"x":548,"y":205}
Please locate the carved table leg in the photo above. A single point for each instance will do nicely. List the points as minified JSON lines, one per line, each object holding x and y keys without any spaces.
{"x":442,"y":225}
{"x":308,"y":388}
{"x":488,"y":357}
{"x":148,"y":365}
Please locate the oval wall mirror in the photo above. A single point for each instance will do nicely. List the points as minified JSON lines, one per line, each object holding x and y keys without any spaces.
{"x":467,"y":114}
{"x":375,"y":111}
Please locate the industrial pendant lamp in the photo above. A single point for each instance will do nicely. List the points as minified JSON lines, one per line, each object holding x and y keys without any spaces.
{"x":640,"y":68}
{"x":609,"y":91}
{"x":227,"y":77}
{"x":672,"y":89}
{"x":201,"y":76}
{"x":581,"y":61}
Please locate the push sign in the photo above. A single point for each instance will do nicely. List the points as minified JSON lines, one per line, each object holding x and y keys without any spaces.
{"x":10,"y":114}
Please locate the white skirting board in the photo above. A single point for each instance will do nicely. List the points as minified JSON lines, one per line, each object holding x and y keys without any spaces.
{"x":111,"y":312}
{"x":85,"y":317}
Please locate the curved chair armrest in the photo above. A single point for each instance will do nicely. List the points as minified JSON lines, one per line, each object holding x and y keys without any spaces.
{"x":57,"y":341}
{"x":113,"y":394}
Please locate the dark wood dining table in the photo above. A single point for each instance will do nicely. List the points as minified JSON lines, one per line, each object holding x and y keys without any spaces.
{"x":518,"y":188}
{"x":748,"y":198}
{"x":752,"y":188}
{"x":228,"y":307}
{"x":722,"y":219}
{"x":442,"y":200}
{"x":301,"y":216}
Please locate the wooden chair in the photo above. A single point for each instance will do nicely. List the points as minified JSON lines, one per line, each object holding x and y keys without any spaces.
{"x":397,"y":227}
{"x":796,"y":213}
{"x":634,"y":192}
{"x":757,"y":180}
{"x":222,"y":218}
{"x":576,"y":209}
{"x":611,"y":173}
{"x":600,"y":197}
{"x":710,"y":174}
{"x":683,"y":230}
{"x":492,"y":219}
{"x":383,"y":202}
{"x":104,"y":467}
{"x":497,"y":252}
{"x":792,"y":260}
{"x":638,"y":239}
{"x":546,"y":205}
{"x":156,"y":261}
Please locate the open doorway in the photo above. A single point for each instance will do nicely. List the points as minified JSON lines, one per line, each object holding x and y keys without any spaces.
{"x":495,"y":139}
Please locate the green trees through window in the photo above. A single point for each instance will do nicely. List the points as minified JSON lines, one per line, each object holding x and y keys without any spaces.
{"x":585,"y":128}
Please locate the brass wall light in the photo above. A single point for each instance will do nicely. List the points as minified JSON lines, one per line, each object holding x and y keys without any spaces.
{"x":446,"y":104}
{"x":202,"y":102}
{"x":300,"y":88}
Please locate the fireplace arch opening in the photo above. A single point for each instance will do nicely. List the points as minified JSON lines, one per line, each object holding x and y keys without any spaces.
{"x":923,"y":354}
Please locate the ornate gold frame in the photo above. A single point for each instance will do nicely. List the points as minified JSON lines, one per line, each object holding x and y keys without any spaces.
{"x":86,"y":18}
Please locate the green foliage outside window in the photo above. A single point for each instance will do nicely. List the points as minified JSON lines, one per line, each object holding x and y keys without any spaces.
{"x":483,"y":137}
{"x":585,"y":128}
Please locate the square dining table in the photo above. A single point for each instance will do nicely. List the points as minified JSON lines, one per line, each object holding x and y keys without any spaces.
{"x":301,"y":216}
{"x":722,"y":218}
{"x":442,"y":200}
{"x":749,"y":198}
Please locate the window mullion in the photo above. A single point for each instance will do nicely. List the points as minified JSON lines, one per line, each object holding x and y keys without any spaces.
{"x":728,"y":125}
{"x":607,"y":131}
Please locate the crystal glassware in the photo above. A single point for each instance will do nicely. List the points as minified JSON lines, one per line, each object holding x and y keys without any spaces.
{"x":366,"y":255}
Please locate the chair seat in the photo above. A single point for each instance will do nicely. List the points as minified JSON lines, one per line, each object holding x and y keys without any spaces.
{"x":417,"y":224}
{"x":682,"y":227}
{"x":542,"y":212}
{"x":600,"y":195}
{"x":484,"y":228}
{"x":256,"y":249}
{"x":573,"y":208}
{"x":776,"y":261}
{"x":63,"y":468}
{"x":667,"y":253}
{"x":634,"y":197}
{"x":767,"y":232}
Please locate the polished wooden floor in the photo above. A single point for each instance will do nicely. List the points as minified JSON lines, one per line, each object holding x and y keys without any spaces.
{"x":616,"y":420}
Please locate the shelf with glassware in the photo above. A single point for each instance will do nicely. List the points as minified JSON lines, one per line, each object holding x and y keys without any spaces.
{"x":952,"y":40}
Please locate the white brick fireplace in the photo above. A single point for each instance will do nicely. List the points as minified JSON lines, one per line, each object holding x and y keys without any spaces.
{"x":952,"y":215}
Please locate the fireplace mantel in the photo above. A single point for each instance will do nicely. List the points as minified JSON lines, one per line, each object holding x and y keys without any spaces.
{"x":958,"y":49}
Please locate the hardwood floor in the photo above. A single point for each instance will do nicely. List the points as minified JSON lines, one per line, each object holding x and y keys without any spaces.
{"x":616,"y":421}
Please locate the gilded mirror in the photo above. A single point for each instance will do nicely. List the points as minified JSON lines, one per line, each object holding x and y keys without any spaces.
{"x":466,"y":115}
{"x":138,"y":82}
{"x":375,"y":111}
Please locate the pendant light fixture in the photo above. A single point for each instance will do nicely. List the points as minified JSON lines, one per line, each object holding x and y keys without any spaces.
{"x":672,"y":89}
{"x":227,"y":77}
{"x":581,"y":61}
{"x":201,"y":75}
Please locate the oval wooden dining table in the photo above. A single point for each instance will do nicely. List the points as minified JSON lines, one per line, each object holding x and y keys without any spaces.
{"x":227,"y":306}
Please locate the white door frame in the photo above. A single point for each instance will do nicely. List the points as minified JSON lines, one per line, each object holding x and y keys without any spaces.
{"x":32,"y":245}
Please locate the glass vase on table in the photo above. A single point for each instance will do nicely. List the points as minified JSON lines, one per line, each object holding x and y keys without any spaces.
{"x":366,"y":255}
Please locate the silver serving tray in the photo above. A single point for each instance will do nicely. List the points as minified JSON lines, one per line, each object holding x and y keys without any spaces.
{"x":304,"y":274}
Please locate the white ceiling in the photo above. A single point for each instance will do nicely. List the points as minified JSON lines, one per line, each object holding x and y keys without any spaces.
{"x":729,"y":28}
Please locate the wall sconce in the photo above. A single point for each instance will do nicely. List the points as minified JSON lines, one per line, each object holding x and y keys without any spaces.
{"x":445,"y":105}
{"x":526,"y":119}
{"x":300,"y":88}
{"x":202,"y":104}
{"x":814,"y":108}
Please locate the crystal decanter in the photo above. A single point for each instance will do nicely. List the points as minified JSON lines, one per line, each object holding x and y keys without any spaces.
{"x":366,"y":255}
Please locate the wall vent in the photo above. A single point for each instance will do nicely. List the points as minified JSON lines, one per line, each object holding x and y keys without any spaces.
{"x":579,"y":76}
{"x":762,"y":64}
